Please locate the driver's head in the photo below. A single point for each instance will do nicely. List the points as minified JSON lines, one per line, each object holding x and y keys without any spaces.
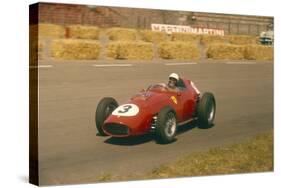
{"x":173,"y":78}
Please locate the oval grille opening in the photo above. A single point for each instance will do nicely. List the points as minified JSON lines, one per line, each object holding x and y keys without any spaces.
{"x":116,"y":129}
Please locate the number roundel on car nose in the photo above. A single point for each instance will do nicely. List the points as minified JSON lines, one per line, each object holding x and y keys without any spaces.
{"x":126,"y":110}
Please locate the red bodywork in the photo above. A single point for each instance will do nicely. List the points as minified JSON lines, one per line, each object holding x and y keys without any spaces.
{"x":150,"y":102}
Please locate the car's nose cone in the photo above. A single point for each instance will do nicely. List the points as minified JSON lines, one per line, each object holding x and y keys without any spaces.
{"x":116,"y":129}
{"x":127,"y":119}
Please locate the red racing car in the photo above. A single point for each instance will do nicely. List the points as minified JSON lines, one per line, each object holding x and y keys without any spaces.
{"x":157,"y":110}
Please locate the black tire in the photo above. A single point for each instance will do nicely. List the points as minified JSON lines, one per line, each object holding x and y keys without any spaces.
{"x":165,"y":132}
{"x":206,"y":110}
{"x":104,"y":109}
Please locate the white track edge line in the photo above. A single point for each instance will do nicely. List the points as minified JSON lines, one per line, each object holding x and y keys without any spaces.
{"x":40,"y":66}
{"x":240,"y":63}
{"x":171,"y":64}
{"x":113,"y":65}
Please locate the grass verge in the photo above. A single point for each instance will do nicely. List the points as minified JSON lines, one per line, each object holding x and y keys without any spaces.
{"x":253,"y":155}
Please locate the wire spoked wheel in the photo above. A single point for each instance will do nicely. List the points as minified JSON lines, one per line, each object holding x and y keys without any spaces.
{"x":171,"y":124}
{"x":206,"y":110}
{"x":166,"y":126}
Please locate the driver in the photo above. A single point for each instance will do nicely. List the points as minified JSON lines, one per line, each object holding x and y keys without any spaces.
{"x":173,"y":79}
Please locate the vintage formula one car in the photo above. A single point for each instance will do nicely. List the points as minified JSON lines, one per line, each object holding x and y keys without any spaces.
{"x":157,"y":110}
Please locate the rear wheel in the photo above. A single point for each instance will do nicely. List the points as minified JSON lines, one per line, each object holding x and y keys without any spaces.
{"x":104,"y":109}
{"x":166,"y":125}
{"x":206,"y":110}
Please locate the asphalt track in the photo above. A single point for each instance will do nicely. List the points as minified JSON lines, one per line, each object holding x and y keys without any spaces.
{"x":70,"y":151}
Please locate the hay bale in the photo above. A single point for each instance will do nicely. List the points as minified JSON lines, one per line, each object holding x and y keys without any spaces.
{"x":153,"y":36}
{"x":75,"y":49}
{"x":82,"y":32}
{"x":186,"y":37}
{"x":47,"y":30}
{"x":225,"y":51}
{"x":130,"y":50}
{"x":33,"y":31}
{"x":211,"y":39}
{"x":36,"y":50}
{"x":33,"y":44}
{"x":241,"y":39}
{"x":122,"y":34}
{"x":259,"y":52}
{"x":178,"y":50}
{"x":258,"y":40}
{"x":41,"y":46}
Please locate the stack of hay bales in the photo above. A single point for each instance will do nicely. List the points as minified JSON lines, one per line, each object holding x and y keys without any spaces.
{"x":33,"y":31}
{"x":259,"y":52}
{"x":225,"y":51}
{"x":41,"y":46}
{"x":49,"y":30}
{"x":241,"y":39}
{"x":33,"y":44}
{"x":153,"y":36}
{"x":35,"y":50}
{"x":178,"y":50}
{"x":186,"y":37}
{"x":130,"y":50}
{"x":258,"y":40}
{"x":122,"y":34}
{"x":82,"y":32}
{"x":39,"y":33}
{"x":75,"y":49}
{"x":211,"y":39}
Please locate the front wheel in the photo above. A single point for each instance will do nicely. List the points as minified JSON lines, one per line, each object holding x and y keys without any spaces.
{"x":166,"y":125}
{"x":206,"y":110}
{"x":104,"y":109}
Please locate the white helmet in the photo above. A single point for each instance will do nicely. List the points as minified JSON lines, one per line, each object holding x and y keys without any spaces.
{"x":175,"y":76}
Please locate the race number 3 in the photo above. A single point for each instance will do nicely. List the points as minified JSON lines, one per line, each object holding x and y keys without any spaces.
{"x":126,"y":110}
